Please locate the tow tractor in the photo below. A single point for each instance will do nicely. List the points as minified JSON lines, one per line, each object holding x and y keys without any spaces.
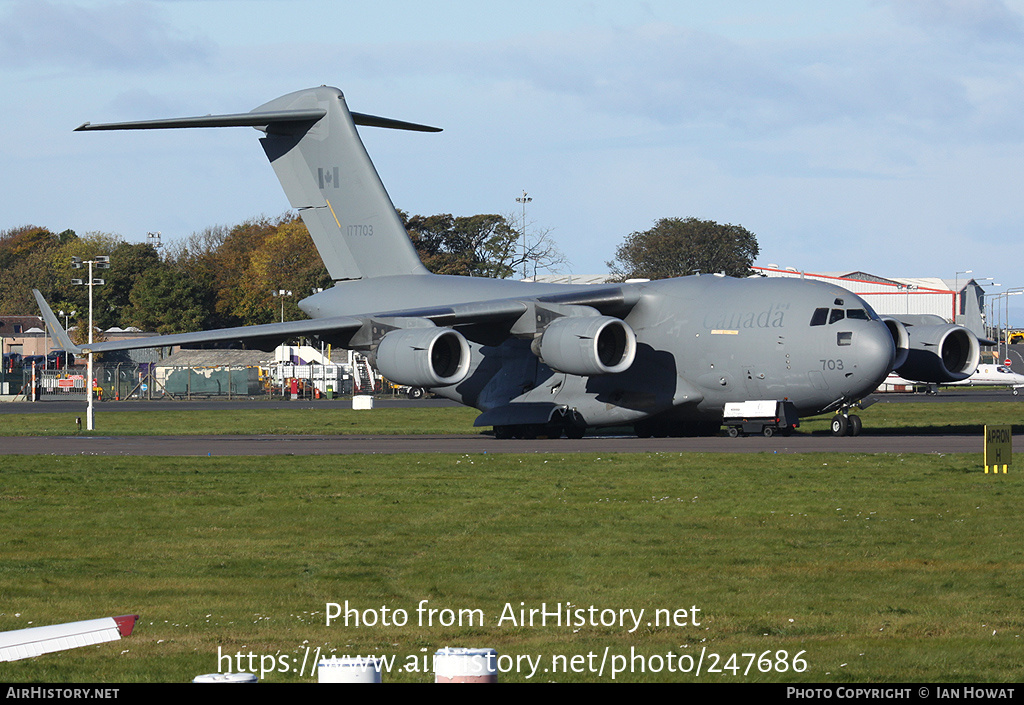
{"x":765,"y":417}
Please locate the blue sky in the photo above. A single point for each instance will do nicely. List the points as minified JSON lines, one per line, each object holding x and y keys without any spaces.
{"x":882,"y":135}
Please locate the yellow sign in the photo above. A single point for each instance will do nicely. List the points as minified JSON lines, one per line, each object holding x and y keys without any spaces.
{"x":998,"y":447}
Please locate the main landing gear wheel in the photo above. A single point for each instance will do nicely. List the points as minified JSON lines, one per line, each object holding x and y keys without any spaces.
{"x":574,"y":431}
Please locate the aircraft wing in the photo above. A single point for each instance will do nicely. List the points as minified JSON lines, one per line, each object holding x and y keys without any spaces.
{"x":344,"y":329}
{"x":271,"y":334}
{"x":26,"y":643}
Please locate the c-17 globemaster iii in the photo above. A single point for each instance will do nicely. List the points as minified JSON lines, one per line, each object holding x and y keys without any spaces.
{"x":546,"y":359}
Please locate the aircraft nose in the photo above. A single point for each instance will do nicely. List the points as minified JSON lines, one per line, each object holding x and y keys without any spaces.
{"x":876,"y":353}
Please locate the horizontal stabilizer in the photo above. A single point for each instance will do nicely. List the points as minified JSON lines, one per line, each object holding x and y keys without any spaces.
{"x":374,"y":121}
{"x":254,"y":119}
{"x":235,"y":120}
{"x":26,"y":643}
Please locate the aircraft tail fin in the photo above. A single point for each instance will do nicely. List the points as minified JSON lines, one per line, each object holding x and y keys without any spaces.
{"x":311,"y":141}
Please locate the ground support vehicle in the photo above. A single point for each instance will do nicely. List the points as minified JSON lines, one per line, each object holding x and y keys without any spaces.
{"x":765,"y":417}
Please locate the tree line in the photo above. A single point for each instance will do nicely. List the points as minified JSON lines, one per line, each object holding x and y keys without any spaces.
{"x":225,"y":276}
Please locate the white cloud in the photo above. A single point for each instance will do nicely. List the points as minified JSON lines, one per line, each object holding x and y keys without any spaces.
{"x":124,"y":36}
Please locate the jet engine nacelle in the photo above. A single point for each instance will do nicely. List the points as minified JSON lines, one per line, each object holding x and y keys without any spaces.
{"x":900,"y":338}
{"x":940,"y":353}
{"x":587,"y":345}
{"x":423,"y":357}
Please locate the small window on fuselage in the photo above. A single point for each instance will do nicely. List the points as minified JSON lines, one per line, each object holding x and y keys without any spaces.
{"x":820,"y":317}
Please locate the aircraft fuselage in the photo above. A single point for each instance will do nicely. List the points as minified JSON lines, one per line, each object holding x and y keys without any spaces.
{"x":702,"y":342}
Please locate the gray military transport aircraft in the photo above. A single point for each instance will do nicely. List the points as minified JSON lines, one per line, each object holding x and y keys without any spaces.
{"x":546,"y":359}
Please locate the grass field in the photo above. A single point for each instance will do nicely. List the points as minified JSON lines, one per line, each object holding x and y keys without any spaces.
{"x":837,"y":568}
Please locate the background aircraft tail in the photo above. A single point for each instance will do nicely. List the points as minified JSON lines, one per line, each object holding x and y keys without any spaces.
{"x":312,"y":143}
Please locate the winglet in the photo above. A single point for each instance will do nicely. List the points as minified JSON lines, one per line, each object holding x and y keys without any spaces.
{"x":126,"y":623}
{"x":54,"y":325}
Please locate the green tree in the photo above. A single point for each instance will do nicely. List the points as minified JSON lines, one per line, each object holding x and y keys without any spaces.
{"x":677,"y":247}
{"x":166,"y":299}
{"x":477,"y":245}
{"x":465,"y":245}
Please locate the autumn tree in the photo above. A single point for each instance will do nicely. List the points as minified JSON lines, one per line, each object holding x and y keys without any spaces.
{"x":26,"y":256}
{"x":477,"y":245}
{"x":677,"y":247}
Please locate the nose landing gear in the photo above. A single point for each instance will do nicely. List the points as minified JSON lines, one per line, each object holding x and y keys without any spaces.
{"x":846,"y":424}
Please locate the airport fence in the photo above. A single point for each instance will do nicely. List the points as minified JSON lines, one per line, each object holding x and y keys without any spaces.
{"x":151,"y":381}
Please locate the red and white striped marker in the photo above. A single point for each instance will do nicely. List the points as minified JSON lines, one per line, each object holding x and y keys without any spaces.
{"x":26,"y":643}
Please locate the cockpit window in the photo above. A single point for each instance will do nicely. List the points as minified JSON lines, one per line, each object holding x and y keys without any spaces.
{"x":844,"y":338}
{"x":837,"y":315}
{"x":819,"y":317}
{"x":857,"y":314}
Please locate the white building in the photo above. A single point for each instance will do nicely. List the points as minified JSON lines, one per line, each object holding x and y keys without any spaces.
{"x":955,"y":300}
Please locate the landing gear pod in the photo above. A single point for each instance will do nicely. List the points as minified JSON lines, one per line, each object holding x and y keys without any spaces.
{"x":423,"y":357}
{"x":941,"y":353}
{"x":587,"y":345}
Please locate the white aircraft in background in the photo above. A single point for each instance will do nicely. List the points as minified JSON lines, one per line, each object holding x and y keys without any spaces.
{"x":984,"y":376}
{"x":993,"y":376}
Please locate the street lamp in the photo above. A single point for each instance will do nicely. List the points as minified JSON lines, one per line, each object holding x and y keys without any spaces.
{"x":281,"y":293}
{"x":524,"y":199}
{"x":1016,"y":291}
{"x":101,"y":262}
{"x":67,"y":315}
{"x":906,"y":288}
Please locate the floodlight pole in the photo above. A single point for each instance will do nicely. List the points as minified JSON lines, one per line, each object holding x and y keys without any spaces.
{"x":524,"y":199}
{"x":101,"y":263}
{"x":281,"y":293}
{"x":90,"y":412}
{"x":1016,"y":291}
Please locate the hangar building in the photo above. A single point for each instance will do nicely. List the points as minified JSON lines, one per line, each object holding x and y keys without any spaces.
{"x":955,"y":300}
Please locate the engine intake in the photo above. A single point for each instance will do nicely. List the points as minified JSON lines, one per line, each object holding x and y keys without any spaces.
{"x":587,"y":345}
{"x":424,"y":357}
{"x":900,"y":338}
{"x":940,"y":353}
